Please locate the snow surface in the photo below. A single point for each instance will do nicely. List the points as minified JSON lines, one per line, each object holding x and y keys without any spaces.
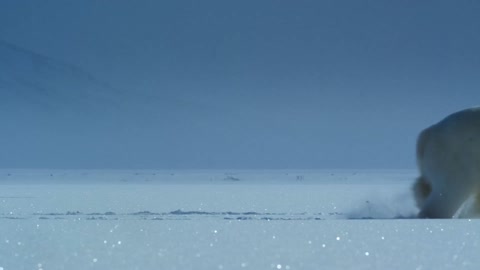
{"x":54,"y":219}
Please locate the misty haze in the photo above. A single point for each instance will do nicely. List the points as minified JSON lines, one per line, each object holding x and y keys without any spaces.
{"x":230,"y":134}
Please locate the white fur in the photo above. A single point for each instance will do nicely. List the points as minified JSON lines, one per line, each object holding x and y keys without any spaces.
{"x":448,"y":157}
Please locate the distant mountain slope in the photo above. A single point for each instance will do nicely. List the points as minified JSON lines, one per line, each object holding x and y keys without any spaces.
{"x":40,"y":82}
{"x":56,"y":115}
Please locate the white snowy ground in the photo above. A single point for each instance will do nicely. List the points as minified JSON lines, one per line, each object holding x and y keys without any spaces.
{"x":52,"y":219}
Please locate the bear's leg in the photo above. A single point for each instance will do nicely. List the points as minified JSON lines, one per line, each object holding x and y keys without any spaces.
{"x":444,"y":203}
{"x":421,"y":191}
{"x":475,"y":210}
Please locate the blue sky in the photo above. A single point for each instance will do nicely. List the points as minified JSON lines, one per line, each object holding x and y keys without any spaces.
{"x":259,"y":84}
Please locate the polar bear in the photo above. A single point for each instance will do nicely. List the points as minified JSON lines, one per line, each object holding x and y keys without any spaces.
{"x":448,"y":159}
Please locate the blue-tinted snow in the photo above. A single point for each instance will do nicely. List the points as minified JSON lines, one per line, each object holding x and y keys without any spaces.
{"x":202,"y":220}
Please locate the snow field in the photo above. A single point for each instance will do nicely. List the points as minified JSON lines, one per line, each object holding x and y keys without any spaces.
{"x":351,"y":222}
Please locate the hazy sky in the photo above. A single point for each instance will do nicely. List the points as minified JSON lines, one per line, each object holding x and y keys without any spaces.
{"x":256,"y":84}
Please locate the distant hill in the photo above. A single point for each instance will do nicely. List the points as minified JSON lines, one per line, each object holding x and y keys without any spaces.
{"x":56,"y":115}
{"x":53,"y":114}
{"x":39,"y":82}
